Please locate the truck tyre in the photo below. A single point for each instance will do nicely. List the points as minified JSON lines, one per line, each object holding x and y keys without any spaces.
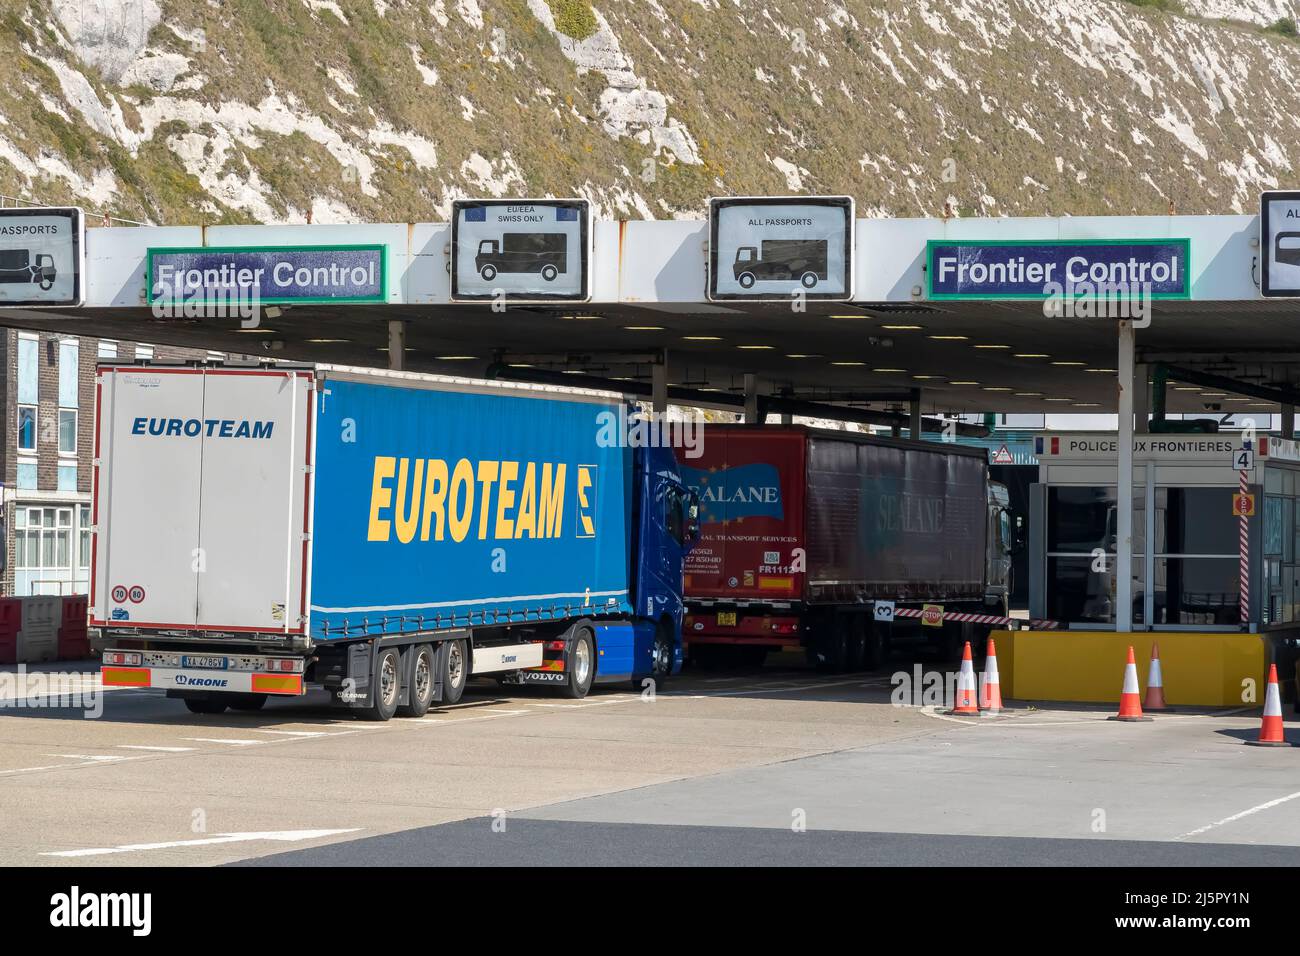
{"x":661,"y":659}
{"x":746,"y":280}
{"x":549,"y":272}
{"x":455,"y":671}
{"x":205,"y":705}
{"x":247,"y":701}
{"x":877,"y":651}
{"x":488,"y":272}
{"x":386,"y":686}
{"x":580,"y":668}
{"x":856,"y":649}
{"x":808,"y":280}
{"x":832,"y":646}
{"x":419,"y":693}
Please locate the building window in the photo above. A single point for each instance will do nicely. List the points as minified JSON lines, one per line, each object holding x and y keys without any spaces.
{"x":68,"y":477}
{"x":43,"y":538}
{"x":144,"y":352}
{"x":107,"y":349}
{"x":69,"y":366}
{"x":67,"y":431}
{"x":28,"y":369}
{"x":27,"y":428}
{"x":27,"y":475}
{"x":83,"y":525}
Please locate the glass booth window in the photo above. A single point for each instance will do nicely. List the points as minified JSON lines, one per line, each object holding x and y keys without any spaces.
{"x":1197,"y":566}
{"x":1081,"y":530}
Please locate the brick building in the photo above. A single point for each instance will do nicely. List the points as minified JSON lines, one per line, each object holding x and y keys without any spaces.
{"x":48,"y":398}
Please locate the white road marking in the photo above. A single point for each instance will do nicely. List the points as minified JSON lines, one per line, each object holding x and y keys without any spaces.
{"x":463,"y":720}
{"x":1238,"y":816}
{"x":170,"y":750}
{"x":284,"y":836}
{"x":225,"y":740}
{"x":63,"y":766}
{"x":296,"y":733}
{"x":87,"y":756}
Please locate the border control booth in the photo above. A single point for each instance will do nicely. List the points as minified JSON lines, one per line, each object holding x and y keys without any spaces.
{"x":1193,"y":571}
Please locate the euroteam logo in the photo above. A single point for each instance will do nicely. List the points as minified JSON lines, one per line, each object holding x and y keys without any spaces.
{"x":586,"y":501}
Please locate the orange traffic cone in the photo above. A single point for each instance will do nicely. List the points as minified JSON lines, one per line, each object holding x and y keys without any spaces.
{"x":1155,"y":699}
{"x":990,"y":690}
{"x":1130,"y":707}
{"x":1270,"y":731}
{"x":966,"y":702}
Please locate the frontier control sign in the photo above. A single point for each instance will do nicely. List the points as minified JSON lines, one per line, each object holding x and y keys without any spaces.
{"x":1084,"y":268}
{"x":270,"y":274}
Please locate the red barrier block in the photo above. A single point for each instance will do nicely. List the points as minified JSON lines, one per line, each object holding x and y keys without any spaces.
{"x":74,"y":642}
{"x":11,"y":617}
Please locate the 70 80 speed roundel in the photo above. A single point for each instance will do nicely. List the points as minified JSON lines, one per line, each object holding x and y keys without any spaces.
{"x":136,"y":594}
{"x":119,"y":594}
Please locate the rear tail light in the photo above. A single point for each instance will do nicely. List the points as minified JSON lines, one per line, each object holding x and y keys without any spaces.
{"x":282,"y":665}
{"x":555,"y":645}
{"x":122,"y":658}
{"x":784,"y":628}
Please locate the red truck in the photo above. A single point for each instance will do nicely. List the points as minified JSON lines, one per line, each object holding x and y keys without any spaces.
{"x":841,"y":543}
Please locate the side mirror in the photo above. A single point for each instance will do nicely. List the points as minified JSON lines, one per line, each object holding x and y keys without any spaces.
{"x":693,"y":528}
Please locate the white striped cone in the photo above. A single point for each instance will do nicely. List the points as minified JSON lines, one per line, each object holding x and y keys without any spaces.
{"x":1271,"y":733}
{"x":1130,"y":703}
{"x":1155,"y":699}
{"x":967,"y":701}
{"x":990,"y":689}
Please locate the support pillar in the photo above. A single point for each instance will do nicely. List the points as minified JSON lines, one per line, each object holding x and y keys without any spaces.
{"x":659,"y":387}
{"x":1288,"y":421}
{"x":1124,"y":483}
{"x":751,"y":399}
{"x":396,"y":344}
{"x":1142,"y":399}
{"x":915,"y":431}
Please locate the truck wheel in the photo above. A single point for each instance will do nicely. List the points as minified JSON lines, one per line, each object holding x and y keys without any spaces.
{"x":832,"y":648}
{"x":488,"y":272}
{"x":205,"y":705}
{"x":856,"y":650}
{"x":247,"y":701}
{"x":661,"y":667}
{"x":877,"y":645}
{"x":455,"y":671}
{"x":420,"y":692}
{"x":808,"y":280}
{"x":581,"y":670}
{"x":387,"y":685}
{"x":746,"y":280}
{"x":549,"y":272}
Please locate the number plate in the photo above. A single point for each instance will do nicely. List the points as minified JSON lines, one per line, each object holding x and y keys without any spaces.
{"x":726,"y":619}
{"x":209,"y":663}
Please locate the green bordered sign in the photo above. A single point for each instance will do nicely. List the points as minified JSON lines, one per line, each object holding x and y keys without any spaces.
{"x":276,"y":275}
{"x":1069,"y":268}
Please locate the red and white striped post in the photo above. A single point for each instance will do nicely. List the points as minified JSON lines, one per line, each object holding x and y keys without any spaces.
{"x":1243,"y":547}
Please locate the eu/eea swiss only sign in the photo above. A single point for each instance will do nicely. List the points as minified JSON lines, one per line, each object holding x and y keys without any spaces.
{"x":1070,"y":268}
{"x":267,"y":274}
{"x":1279,"y":243}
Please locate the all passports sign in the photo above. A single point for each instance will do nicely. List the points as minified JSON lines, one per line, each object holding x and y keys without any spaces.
{"x":776,"y":248}
{"x":1279,"y":243}
{"x":42,"y":256}
{"x":521,"y":250}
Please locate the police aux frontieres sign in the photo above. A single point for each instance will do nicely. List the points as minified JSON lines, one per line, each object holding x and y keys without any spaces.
{"x":216,"y":282}
{"x":1073,"y":278}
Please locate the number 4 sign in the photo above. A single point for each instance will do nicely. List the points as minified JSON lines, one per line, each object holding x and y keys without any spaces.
{"x":1243,"y":459}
